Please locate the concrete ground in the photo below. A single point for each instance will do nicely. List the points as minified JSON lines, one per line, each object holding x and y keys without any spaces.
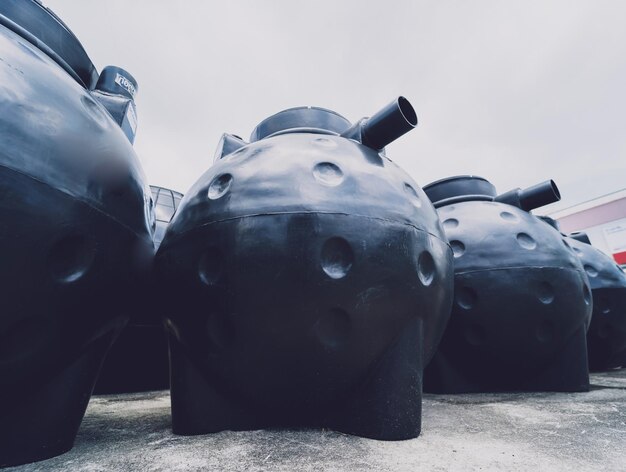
{"x":511,"y":432}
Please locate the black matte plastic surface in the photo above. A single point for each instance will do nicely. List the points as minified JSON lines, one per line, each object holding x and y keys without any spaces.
{"x":310,"y":284}
{"x":116,"y":90}
{"x":460,"y":188}
{"x":606,"y":338}
{"x":384,"y":127}
{"x":44,"y":29}
{"x":308,"y":119}
{"x":522,"y":305}
{"x":75,"y":241}
{"x":138,"y":361}
{"x":532,"y":197}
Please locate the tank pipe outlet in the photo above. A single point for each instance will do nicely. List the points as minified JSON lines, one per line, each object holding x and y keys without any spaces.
{"x":532,"y":197}
{"x":393,"y":121}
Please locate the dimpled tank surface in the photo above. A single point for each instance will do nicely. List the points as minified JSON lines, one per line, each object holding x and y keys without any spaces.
{"x":606,"y":338}
{"x":313,"y":283}
{"x":522,"y":301}
{"x":74,"y":239}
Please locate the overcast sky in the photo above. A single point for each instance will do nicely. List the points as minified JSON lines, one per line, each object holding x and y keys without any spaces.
{"x":517,"y":92}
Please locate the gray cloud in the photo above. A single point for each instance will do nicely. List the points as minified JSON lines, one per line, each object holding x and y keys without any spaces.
{"x":515,"y":91}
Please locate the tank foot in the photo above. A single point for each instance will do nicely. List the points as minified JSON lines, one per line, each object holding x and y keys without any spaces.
{"x":197,"y":407}
{"x":619,"y":360}
{"x":389,"y":405}
{"x":440,"y":376}
{"x":43,"y":423}
{"x":568,"y":372}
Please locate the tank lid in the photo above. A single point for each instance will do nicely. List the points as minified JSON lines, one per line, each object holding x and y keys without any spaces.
{"x":41,"y":27}
{"x":459,"y":188}
{"x":303,"y":119}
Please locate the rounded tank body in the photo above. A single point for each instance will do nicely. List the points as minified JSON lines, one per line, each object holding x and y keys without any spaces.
{"x":76,"y":232}
{"x":522,"y":301}
{"x":606,"y":337}
{"x":312,"y":281}
{"x":138,"y":361}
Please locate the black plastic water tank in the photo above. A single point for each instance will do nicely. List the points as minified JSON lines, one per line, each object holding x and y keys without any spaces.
{"x":606,"y":338}
{"x":309,"y":279}
{"x":522,"y":301}
{"x":75,"y":239}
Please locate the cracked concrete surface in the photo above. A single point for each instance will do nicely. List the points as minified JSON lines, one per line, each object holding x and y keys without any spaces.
{"x":512,"y":432}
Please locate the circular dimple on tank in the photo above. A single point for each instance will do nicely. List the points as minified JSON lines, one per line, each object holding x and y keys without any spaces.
{"x":544,"y":332}
{"x":586,"y":294}
{"x":591,"y":270}
{"x":211,"y":266}
{"x":526,"y":241}
{"x":508,"y":216}
{"x":325,"y":142}
{"x":426,"y":268}
{"x":328,"y":174}
{"x":450,"y":223}
{"x":336,"y":258}
{"x":219,"y":186}
{"x":220,"y":331}
{"x":474,"y":335}
{"x":412,"y":193}
{"x":333,"y":328}
{"x":545,"y":293}
{"x":71,"y":257}
{"x":465,"y":298}
{"x":458,"y":248}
